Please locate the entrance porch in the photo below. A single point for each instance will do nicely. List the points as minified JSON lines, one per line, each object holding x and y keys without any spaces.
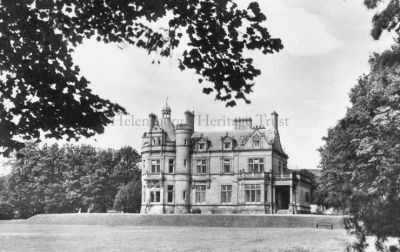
{"x":284,"y":199}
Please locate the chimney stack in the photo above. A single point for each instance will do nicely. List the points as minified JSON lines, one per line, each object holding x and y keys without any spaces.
{"x":274,"y":116}
{"x":242,"y":123}
{"x":152,"y":121}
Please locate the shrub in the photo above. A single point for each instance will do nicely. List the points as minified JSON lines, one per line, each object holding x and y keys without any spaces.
{"x":196,"y":210}
{"x":6,"y":211}
{"x":129,"y":198}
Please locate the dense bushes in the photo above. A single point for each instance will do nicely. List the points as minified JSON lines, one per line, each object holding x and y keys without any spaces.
{"x":54,"y":179}
{"x":6,"y":211}
{"x":128,"y":198}
{"x":195,"y":210}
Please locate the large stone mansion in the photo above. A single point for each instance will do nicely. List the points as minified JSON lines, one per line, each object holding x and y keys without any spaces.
{"x":239,"y":171}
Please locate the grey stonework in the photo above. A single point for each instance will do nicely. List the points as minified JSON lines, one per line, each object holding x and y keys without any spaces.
{"x":239,"y":171}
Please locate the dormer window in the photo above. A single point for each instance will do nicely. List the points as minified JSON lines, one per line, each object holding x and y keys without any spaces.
{"x":256,"y":143}
{"x":227,"y":142}
{"x":202,"y":146}
{"x":227,"y":145}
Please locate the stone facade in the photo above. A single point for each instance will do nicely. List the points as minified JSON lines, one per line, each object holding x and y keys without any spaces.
{"x":239,"y":171}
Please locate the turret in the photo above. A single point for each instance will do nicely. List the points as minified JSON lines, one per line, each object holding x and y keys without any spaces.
{"x":166,"y":123}
{"x":189,"y":119}
{"x":183,"y":163}
{"x":166,"y":111}
{"x":158,"y":155}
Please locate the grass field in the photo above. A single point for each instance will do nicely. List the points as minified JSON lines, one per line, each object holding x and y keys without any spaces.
{"x":19,"y":236}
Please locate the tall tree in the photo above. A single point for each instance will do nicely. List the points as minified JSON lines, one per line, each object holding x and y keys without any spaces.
{"x":54,"y":179}
{"x":126,"y":167}
{"x":26,"y":194}
{"x":78,"y":162}
{"x":360,"y":158}
{"x":127,"y":177}
{"x":129,"y":197}
{"x":100,"y":187}
{"x":42,"y":91}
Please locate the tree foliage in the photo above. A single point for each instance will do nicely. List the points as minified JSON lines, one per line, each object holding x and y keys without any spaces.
{"x":63,"y":179}
{"x":315,"y":193}
{"x":386,"y":19}
{"x":360,"y":158}
{"x":129,"y":197}
{"x":6,"y":211}
{"x":43,"y":91}
{"x":3,"y":188}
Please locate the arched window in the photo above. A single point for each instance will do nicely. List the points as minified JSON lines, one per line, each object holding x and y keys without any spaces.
{"x":185,"y":142}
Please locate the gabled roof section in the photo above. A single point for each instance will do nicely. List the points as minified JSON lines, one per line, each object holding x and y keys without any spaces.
{"x":227,"y":138}
{"x":242,"y":137}
{"x":200,"y":137}
{"x":265,"y":137}
{"x":277,"y":143}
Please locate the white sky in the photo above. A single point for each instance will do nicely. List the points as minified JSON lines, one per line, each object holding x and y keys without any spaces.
{"x":327,"y":46}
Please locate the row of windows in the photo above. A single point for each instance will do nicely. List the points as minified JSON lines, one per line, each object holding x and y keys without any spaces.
{"x":228,"y":145}
{"x":203,"y":146}
{"x":252,"y":194}
{"x":156,"y":166}
{"x":155,"y":195}
{"x":255,"y":165}
{"x":158,"y":141}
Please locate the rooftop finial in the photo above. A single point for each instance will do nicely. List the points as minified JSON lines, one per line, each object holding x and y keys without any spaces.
{"x":166,"y":111}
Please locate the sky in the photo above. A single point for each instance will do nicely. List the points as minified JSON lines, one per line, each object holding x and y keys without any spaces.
{"x":327,"y":46}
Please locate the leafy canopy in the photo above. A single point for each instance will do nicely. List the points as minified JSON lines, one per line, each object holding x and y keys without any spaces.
{"x":360,"y":158}
{"x":66,"y":179}
{"x":386,"y":19}
{"x":42,"y":90}
{"x":360,"y":161}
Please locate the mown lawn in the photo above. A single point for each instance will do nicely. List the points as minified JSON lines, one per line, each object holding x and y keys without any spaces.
{"x":18,"y":236}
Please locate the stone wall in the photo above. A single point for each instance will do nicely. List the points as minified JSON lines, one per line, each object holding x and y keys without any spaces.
{"x":215,"y":220}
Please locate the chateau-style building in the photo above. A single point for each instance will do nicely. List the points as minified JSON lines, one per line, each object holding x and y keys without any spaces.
{"x":239,"y":171}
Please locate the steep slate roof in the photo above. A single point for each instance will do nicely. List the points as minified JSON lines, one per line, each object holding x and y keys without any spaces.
{"x":169,"y":128}
{"x":241,"y":137}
